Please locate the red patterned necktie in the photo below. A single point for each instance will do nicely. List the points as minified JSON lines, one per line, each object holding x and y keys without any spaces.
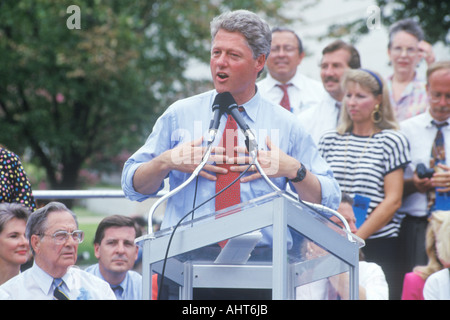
{"x":232,"y":195}
{"x":285,"y":100}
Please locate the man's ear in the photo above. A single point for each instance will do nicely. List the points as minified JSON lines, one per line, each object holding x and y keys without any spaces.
{"x":260,"y":62}
{"x":35,"y":242}
{"x":97,"y":250}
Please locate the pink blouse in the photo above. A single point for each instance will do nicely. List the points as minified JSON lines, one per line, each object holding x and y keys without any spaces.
{"x":413,"y":287}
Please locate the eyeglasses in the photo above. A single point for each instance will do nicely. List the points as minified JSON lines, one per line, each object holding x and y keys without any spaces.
{"x":436,"y":97}
{"x":286,"y":48}
{"x":60,"y":237}
{"x":410,"y":52}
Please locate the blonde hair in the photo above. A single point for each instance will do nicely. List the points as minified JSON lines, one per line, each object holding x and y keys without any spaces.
{"x":443,"y":239}
{"x":373,"y":82}
{"x":437,"y":240}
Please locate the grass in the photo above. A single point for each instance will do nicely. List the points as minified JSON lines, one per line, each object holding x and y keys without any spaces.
{"x":88,"y":222}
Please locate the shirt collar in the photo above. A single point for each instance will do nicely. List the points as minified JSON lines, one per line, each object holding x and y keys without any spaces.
{"x":330,"y":100}
{"x":429,"y":119}
{"x":45,"y":281}
{"x":251,"y":107}
{"x":415,"y":84}
{"x":42,"y":278}
{"x":295,"y":81}
{"x":99,"y":274}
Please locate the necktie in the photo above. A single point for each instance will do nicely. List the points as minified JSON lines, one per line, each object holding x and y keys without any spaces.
{"x":338,"y":107}
{"x":117,"y":291}
{"x":285,"y":100}
{"x":58,"y":293}
{"x":438,"y":150}
{"x":232,"y":195}
{"x":437,"y":156}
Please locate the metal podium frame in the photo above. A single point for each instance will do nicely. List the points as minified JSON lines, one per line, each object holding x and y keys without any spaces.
{"x":275,"y":210}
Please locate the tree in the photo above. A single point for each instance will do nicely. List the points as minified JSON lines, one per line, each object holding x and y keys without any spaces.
{"x":434,"y":18}
{"x":80,"y":96}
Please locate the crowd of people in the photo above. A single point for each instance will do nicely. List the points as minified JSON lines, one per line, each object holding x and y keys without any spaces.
{"x":368,"y":146}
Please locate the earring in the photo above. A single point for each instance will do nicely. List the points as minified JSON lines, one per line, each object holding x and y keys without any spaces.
{"x":377,"y":116}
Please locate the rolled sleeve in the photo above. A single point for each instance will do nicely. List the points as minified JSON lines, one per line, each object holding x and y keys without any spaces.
{"x":331,"y":193}
{"x":129,"y":169}
{"x":158,"y":141}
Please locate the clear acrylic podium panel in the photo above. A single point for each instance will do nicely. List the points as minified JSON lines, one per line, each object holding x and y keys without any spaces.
{"x":309,"y":257}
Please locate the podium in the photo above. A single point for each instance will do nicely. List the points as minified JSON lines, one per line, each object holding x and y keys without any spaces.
{"x":307,"y":253}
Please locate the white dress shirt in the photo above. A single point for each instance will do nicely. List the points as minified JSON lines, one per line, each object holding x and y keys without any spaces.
{"x":420,"y":133}
{"x":371,"y":278}
{"x":317,"y":121}
{"x":437,"y":286}
{"x":36,"y":284}
{"x":305,"y":93}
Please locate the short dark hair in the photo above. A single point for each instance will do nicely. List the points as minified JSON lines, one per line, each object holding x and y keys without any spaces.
{"x":354,"y":61}
{"x":114,"y":221}
{"x":284,"y":29}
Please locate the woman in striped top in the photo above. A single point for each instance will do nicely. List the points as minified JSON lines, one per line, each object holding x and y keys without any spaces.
{"x":368,"y":155}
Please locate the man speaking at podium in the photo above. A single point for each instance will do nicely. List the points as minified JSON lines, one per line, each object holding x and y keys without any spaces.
{"x":240,"y":46}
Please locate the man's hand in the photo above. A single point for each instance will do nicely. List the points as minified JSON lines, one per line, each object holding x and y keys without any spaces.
{"x":273,"y":161}
{"x":441,"y":178}
{"x":421,"y":185}
{"x":188,"y":156}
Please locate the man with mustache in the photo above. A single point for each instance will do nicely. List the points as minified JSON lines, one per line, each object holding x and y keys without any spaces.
{"x":53,"y":234}
{"x":337,"y":58}
{"x":116,"y":253}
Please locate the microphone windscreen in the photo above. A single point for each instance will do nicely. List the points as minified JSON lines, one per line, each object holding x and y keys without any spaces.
{"x":223,"y":100}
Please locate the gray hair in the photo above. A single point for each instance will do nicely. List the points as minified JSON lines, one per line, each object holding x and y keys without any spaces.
{"x":407,"y":25}
{"x":37,"y":223}
{"x":9,"y":211}
{"x":255,"y":30}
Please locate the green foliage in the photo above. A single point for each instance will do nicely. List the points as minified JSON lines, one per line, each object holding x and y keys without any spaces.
{"x":80,"y":97}
{"x":434,"y":18}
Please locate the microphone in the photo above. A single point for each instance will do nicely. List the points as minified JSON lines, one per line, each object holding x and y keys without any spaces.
{"x":233,"y":110}
{"x":219,"y":107}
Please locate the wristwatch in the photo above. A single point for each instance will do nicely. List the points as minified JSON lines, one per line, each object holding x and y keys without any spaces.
{"x":301,"y":174}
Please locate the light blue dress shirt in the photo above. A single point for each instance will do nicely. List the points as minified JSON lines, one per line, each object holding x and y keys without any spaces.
{"x":189,"y":119}
{"x":131,"y":284}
